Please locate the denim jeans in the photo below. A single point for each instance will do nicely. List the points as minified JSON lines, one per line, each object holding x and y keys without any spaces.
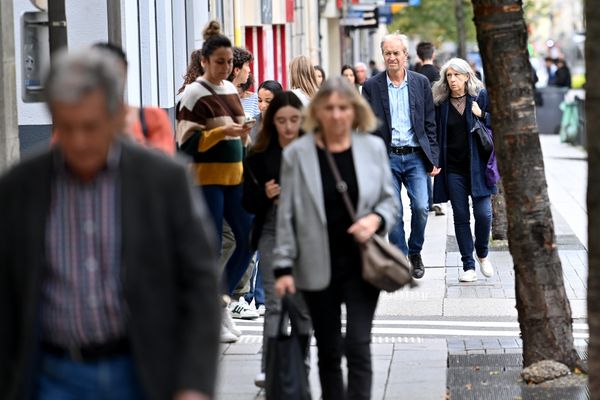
{"x":226,"y":202}
{"x":459,"y":190}
{"x":256,"y":292}
{"x":110,"y":379}
{"x":409,"y":170}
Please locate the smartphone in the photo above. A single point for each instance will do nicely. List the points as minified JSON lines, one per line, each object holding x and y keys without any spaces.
{"x":249,"y":122}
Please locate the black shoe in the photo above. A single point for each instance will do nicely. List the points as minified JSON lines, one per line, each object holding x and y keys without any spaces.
{"x":438,"y":210}
{"x":417,"y":264}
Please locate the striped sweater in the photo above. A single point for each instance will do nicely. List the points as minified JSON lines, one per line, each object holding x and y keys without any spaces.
{"x":217,"y":158}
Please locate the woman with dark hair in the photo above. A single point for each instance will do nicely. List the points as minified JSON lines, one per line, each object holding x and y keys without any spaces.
{"x":266,"y":92}
{"x":320,"y":75}
{"x":459,"y":99}
{"x":211,"y":129}
{"x":349,"y":73}
{"x":281,"y":125}
{"x":194,"y":70}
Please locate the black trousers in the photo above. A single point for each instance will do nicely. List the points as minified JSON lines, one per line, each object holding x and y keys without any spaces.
{"x":325,"y":311}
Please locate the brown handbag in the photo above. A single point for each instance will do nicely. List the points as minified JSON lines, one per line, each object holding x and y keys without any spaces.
{"x":383,"y":265}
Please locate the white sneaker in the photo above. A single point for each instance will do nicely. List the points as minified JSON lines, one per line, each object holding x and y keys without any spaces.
{"x":229,"y":324}
{"x":468,"y":276}
{"x":227,"y":336}
{"x":259,"y":380}
{"x":261,"y":310}
{"x":485,"y":266}
{"x":242,"y":310}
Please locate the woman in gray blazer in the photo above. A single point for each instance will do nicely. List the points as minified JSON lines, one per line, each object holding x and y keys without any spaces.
{"x":317,"y":247}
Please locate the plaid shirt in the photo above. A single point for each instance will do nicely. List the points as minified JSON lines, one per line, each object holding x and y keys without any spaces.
{"x":82,"y":299}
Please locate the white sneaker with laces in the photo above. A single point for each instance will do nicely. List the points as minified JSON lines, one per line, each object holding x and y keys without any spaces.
{"x":229,"y":324}
{"x":227,"y":336}
{"x":242,"y":310}
{"x":259,"y":380}
{"x":486,"y":267}
{"x":468,"y":276}
{"x":261,"y":310}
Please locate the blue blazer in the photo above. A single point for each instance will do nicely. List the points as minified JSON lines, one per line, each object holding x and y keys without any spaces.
{"x":478,"y":186}
{"x":422,"y":112}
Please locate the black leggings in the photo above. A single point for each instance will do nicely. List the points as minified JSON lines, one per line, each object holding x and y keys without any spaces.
{"x":324,"y":307}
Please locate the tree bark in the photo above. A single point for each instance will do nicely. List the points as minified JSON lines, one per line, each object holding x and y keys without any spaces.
{"x":592,"y":113}
{"x":461,"y":40}
{"x":499,"y":222}
{"x":542,"y":304}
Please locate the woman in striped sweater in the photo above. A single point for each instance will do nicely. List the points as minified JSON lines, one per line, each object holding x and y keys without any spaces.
{"x":211,"y":129}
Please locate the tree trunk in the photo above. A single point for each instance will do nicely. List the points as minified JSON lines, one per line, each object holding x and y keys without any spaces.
{"x":459,"y":10}
{"x":499,"y":222}
{"x":542,"y":304}
{"x":592,"y":113}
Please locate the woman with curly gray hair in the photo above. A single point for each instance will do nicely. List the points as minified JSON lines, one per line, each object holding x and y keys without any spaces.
{"x":459,"y":99}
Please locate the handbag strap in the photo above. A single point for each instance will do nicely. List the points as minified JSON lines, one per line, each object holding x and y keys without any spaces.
{"x":340,"y":185}
{"x":218,"y":98}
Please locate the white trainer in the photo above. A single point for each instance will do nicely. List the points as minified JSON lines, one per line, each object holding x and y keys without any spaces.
{"x":468,"y":276}
{"x":227,"y":336}
{"x":486,"y":267}
{"x":261,"y":310}
{"x":259,"y":380}
{"x":229,"y":324}
{"x":242,"y":310}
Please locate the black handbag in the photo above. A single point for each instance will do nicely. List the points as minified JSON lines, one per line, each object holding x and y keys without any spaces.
{"x":286,"y":374}
{"x":383,"y":265}
{"x":484,"y":137}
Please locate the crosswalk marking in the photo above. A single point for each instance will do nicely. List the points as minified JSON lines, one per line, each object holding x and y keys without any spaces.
{"x":449,"y":328}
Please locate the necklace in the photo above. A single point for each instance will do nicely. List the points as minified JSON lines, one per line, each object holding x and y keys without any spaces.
{"x":458,"y":97}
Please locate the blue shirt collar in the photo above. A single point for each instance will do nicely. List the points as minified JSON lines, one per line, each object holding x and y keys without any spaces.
{"x":404,"y":82}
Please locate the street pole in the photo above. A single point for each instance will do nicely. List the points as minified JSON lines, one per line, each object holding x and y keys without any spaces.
{"x":460,"y":29}
{"x":57,"y":23}
{"x":113,"y":8}
{"x":9,"y":132}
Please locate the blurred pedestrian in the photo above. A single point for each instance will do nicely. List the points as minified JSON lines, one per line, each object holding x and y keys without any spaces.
{"x":266,"y":91}
{"x":562,"y":76}
{"x":240,"y":75}
{"x":211,"y":129}
{"x":550,"y":70}
{"x":303,"y":79}
{"x":402,"y":101}
{"x":281,"y":126}
{"x":360,"y":70}
{"x":373,"y":68}
{"x":350,"y":75}
{"x":95,"y":235}
{"x":319,"y":75}
{"x":476,"y":70}
{"x":320,"y":256}
{"x":460,"y":98}
{"x":194,"y":70}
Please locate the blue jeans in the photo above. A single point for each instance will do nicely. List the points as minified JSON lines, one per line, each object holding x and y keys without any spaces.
{"x":257,"y":291}
{"x":409,"y":170}
{"x":109,"y":379}
{"x":226,"y":202}
{"x":459,"y":190}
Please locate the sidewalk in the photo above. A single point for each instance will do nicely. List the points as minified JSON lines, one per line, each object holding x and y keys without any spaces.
{"x":443,"y":335}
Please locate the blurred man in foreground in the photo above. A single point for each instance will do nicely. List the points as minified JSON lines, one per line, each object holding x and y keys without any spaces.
{"x":108,"y":276}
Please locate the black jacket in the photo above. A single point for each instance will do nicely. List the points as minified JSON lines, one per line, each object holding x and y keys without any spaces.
{"x":259,"y":168}
{"x":422,"y":112}
{"x":168,"y":271}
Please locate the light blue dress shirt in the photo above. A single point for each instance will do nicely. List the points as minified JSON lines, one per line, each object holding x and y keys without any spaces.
{"x":402,"y":130}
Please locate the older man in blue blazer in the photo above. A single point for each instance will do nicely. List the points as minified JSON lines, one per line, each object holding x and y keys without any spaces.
{"x":402,"y":101}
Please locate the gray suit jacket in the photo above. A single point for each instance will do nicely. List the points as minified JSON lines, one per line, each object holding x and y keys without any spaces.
{"x":302,"y":239}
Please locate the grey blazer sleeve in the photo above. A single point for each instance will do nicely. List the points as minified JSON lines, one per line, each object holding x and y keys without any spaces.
{"x":388,"y":204}
{"x":286,"y":248}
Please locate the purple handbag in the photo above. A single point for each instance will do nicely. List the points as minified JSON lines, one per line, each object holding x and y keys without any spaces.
{"x":492,"y":175}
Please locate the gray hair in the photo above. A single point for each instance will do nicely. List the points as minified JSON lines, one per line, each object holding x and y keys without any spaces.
{"x":364,"y":119}
{"x":440,"y":88}
{"x":360,"y":65}
{"x":76,"y":74}
{"x":395,"y":36}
